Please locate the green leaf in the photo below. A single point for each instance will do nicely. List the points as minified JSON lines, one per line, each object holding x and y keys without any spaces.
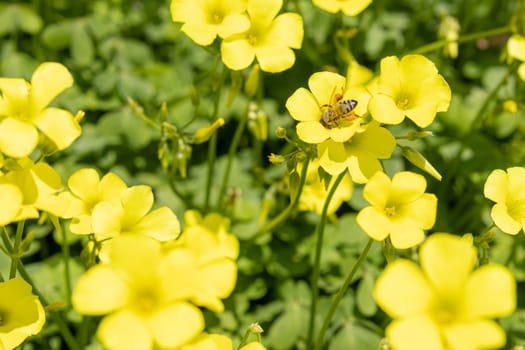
{"x":57,"y":36}
{"x":354,"y":336}
{"x":15,"y":17}
{"x":285,"y":330}
{"x":365,"y":301}
{"x":81,"y":46}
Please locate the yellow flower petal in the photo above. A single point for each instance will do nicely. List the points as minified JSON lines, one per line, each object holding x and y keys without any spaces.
{"x":490,"y":292}
{"x":384,"y":110}
{"x":404,"y":234}
{"x":262,"y":12}
{"x":302,"y":106}
{"x":233,"y":24}
{"x":161,"y":224}
{"x":59,"y":125}
{"x":374,"y":223}
{"x":407,"y":187}
{"x":332,"y":157}
{"x":219,"y":278}
{"x":286,"y":30}
{"x":505,"y":222}
{"x":14,"y":96}
{"x":312,"y":132}
{"x":422,"y":211}
{"x":377,"y":190}
{"x":496,"y":186}
{"x":482,"y":334}
{"x":90,"y":298}
{"x":106,"y":219}
{"x":237,"y":54}
{"x":136,"y":202}
{"x":176,"y":324}
{"x":17,"y":138}
{"x":47,"y":82}
{"x":442,"y":253}
{"x":273,"y":58}
{"x":402,"y":290}
{"x":362,"y":165}
{"x":10,"y":203}
{"x":253,"y":346}
{"x":414,"y":333}
{"x":201,"y":33}
{"x":516,"y":47}
{"x":324,"y":85}
{"x":124,"y":330}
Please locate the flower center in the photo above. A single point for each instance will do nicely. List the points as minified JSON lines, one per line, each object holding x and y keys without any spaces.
{"x":390,"y":211}
{"x":146,"y":301}
{"x":445,"y":311}
{"x":217,"y":17}
{"x":516,"y":209}
{"x":252,"y":39}
{"x":402,"y":103}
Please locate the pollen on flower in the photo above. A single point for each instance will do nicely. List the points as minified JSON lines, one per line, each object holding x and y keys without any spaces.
{"x":390,"y":211}
{"x":217,"y":17}
{"x":445,"y":312}
{"x":252,"y":39}
{"x":146,"y":301}
{"x":402,"y":103}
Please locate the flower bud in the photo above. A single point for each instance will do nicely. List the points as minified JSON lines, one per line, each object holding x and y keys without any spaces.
{"x":418,"y":160}
{"x":203,"y":134}
{"x":280,"y":132}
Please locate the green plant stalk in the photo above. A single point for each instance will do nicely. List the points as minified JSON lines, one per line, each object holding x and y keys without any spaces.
{"x":15,"y":252}
{"x":65,"y":256}
{"x":340,"y":294}
{"x":212,"y":144}
{"x":317,"y":260}
{"x":462,"y":39}
{"x":286,"y":212}
{"x":231,"y":154}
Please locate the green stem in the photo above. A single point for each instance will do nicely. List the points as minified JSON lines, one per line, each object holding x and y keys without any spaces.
{"x":65,"y":257}
{"x":15,"y":254}
{"x":340,"y":294}
{"x":317,"y":260}
{"x":286,"y":212}
{"x":212,"y":144}
{"x":231,"y":154}
{"x":462,"y":39}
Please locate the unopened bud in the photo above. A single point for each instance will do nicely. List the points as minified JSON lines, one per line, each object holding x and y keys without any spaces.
{"x":252,"y":82}
{"x":203,"y":134}
{"x":79,"y":116}
{"x":418,"y":160}
{"x":280,"y":132}
{"x":276,"y":158}
{"x":256,"y":328}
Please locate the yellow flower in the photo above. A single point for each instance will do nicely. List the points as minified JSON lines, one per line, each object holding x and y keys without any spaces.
{"x":516,"y":49}
{"x":21,"y":313}
{"x":449,"y":30}
{"x":360,"y":155}
{"x":86,"y":191}
{"x":411,"y":87}
{"x":219,"y":342}
{"x":24,"y":111}
{"x":204,"y":20}
{"x":206,"y":253}
{"x":270,"y":39}
{"x":445,"y":305}
{"x":131,"y":215}
{"x":329,"y":110}
{"x":349,"y":7}
{"x":400,"y":209}
{"x":315,"y":192}
{"x":143,"y":302}
{"x":30,"y":187}
{"x":507,"y":189}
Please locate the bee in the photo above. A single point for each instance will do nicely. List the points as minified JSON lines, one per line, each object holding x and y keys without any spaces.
{"x":332,"y":115}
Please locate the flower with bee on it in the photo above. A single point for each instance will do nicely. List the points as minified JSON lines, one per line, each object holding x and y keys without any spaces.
{"x":329,"y":110}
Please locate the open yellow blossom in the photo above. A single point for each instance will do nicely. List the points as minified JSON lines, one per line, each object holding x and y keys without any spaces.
{"x":329,"y":110}
{"x":24,"y":112}
{"x":141,"y":300}
{"x":516,"y":50}
{"x":21,"y":313}
{"x":132,"y":215}
{"x":87,"y":189}
{"x":507,"y":189}
{"x":348,"y":7}
{"x":37,"y":186}
{"x":445,"y":305}
{"x":270,"y":39}
{"x":400,"y":209}
{"x":206,"y":253}
{"x":315,"y":192}
{"x":409,"y":87}
{"x":360,"y":155}
{"x":204,"y":20}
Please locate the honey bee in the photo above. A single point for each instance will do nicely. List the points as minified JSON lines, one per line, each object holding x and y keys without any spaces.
{"x":332,"y":115}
